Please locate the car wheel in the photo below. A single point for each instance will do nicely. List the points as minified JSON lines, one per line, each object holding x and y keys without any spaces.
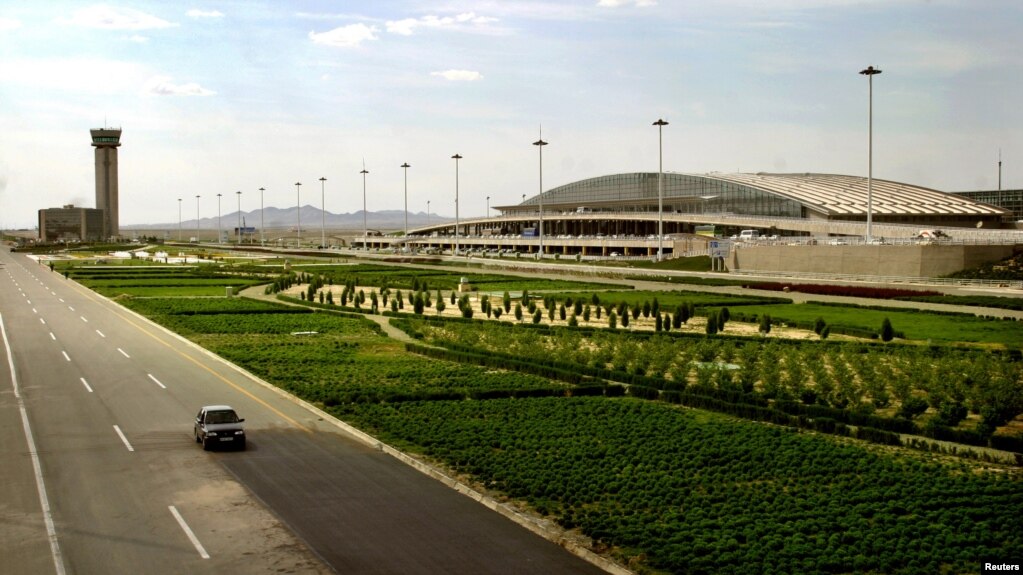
{"x":197,"y":440}
{"x":241,"y":445}
{"x":206,"y":444}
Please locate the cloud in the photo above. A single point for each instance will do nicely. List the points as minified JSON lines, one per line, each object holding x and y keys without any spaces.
{"x":9,"y":24}
{"x":408,"y":26}
{"x":350,"y":36}
{"x":459,"y":75}
{"x":162,"y":86}
{"x":138,"y":39}
{"x":111,"y":18}
{"x":78,"y":75}
{"x":197,"y":14}
{"x":619,"y":3}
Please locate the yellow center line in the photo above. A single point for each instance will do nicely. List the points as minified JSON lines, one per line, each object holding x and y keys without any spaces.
{"x":92,"y":296}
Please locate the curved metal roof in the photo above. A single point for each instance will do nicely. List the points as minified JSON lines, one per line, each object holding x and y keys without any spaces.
{"x":837,"y":196}
{"x":847,"y":195}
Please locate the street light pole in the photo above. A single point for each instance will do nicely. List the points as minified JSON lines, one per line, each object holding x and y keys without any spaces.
{"x":869,"y":73}
{"x":405,"y":167}
{"x":323,"y":215}
{"x":427,"y":212}
{"x":197,"y":219}
{"x":261,"y":240}
{"x":219,"y":233}
{"x":365,"y":226}
{"x":179,"y":219}
{"x":488,"y":206}
{"x":540,"y":144}
{"x":660,"y":123}
{"x":298,"y":210}
{"x":456,"y":157}
{"x":239,"y":193}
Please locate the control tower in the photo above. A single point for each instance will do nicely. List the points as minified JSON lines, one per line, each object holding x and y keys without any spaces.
{"x":106,"y":141}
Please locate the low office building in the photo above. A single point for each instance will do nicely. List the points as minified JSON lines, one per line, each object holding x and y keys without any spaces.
{"x":69,"y":223}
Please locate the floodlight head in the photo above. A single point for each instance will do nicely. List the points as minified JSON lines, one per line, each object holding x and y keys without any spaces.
{"x":456,"y":157}
{"x":870,"y":71}
{"x":660,"y":122}
{"x":405,"y":165}
{"x":539,"y":143}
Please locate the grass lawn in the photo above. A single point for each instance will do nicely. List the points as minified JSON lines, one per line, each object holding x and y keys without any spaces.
{"x":915,"y":325}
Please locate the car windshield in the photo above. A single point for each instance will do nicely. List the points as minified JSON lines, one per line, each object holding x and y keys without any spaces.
{"x":221,"y":417}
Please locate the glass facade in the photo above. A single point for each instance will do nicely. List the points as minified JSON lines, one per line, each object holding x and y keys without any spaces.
{"x":682,"y":193}
{"x":1009,"y":199}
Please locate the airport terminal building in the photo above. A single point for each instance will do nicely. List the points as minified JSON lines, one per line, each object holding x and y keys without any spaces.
{"x":801,"y":195}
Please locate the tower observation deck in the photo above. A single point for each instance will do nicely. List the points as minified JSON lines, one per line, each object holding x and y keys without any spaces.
{"x":106,"y":141}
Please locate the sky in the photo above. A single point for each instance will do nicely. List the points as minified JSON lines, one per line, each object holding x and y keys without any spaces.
{"x":221,"y":97}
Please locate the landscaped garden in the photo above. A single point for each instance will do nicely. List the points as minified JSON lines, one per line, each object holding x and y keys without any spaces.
{"x":586,"y":423}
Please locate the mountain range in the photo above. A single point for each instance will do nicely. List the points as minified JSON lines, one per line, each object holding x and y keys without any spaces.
{"x":310,"y":218}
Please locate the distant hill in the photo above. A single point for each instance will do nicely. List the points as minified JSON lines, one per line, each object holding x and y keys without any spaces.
{"x":310,"y":215}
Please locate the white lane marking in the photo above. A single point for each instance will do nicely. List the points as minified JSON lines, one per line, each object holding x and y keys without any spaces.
{"x":53,"y":337}
{"x":33,"y":309}
{"x":157,"y":381}
{"x":66,"y":356}
{"x":71,"y":308}
{"x":83,"y":318}
{"x":124,"y":353}
{"x":86,"y":384}
{"x":100,"y":333}
{"x":42,"y":321}
{"x":44,"y":501}
{"x":60,"y":299}
{"x":123,"y":438}
{"x":188,"y":532}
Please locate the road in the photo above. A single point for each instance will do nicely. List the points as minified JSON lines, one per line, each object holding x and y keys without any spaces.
{"x":102,"y":475}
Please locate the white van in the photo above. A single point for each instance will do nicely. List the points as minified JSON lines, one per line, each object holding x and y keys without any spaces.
{"x":747,"y":235}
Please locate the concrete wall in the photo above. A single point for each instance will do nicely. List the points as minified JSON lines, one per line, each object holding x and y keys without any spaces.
{"x":879,"y":260}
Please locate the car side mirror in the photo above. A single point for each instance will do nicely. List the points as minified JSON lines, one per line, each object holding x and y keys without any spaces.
{"x":241,"y":419}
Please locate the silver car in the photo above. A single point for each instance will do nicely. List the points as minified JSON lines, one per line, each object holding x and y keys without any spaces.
{"x":219,"y":425}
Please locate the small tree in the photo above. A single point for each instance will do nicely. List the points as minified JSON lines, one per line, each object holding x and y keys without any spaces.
{"x":550,"y":313}
{"x":518,"y":312}
{"x":394,"y":305}
{"x":765,"y":324}
{"x":612,"y":320}
{"x":625,"y":319}
{"x":497,"y":312}
{"x":646,"y":309}
{"x":712,"y":324}
{"x":562,"y":312}
{"x":537,"y":316}
{"x":572,"y":322}
{"x":330,"y":297}
{"x":818,"y":325}
{"x":887,"y":332}
{"x":417,"y":304}
{"x":507,"y":302}
{"x":586,"y":313}
{"x":825,"y":331}
{"x":658,"y":323}
{"x":723,"y":316}
{"x":440,"y":306}
{"x":635,"y":312}
{"x":667,"y":321}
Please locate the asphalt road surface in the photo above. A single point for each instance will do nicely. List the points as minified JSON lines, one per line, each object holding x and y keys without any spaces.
{"x":101,"y":473}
